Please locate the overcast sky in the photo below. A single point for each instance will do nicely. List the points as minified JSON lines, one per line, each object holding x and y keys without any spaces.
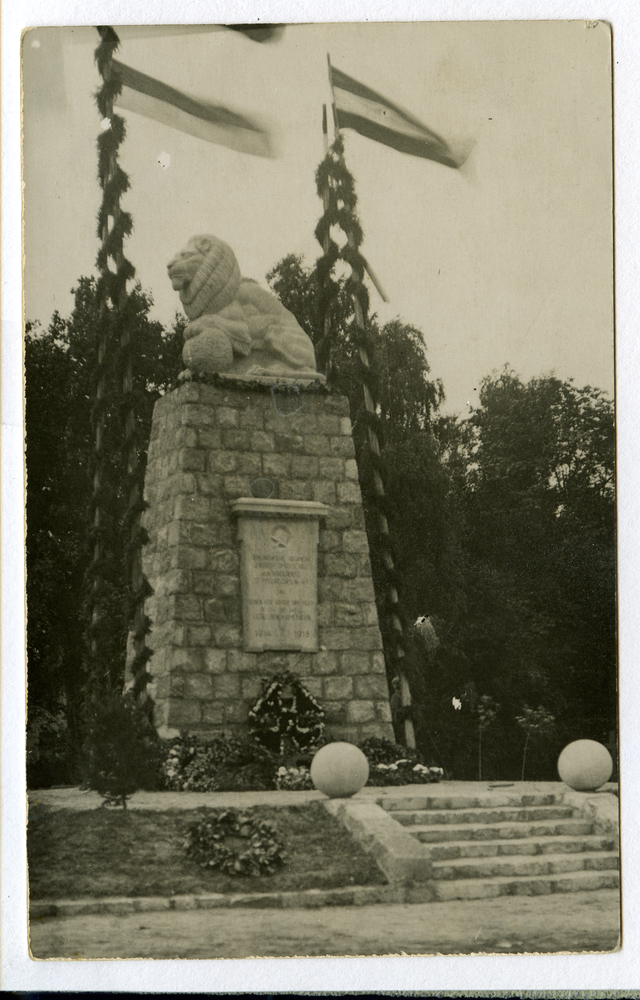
{"x":508,"y":260}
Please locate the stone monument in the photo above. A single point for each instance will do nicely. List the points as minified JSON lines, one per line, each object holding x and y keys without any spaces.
{"x":257,"y":555}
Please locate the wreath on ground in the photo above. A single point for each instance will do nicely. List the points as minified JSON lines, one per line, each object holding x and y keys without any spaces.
{"x":286,"y":713}
{"x":235,"y":843}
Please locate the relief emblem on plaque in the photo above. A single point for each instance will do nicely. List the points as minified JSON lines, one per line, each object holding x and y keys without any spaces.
{"x":280,"y":538}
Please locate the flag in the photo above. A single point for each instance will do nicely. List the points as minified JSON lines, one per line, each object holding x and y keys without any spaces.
{"x":259,"y":32}
{"x":372,"y":115}
{"x":211,"y":122}
{"x":133,"y":32}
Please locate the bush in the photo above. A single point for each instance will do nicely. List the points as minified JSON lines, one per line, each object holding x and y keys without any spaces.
{"x":393,"y":764}
{"x":221,"y":764}
{"x":48,"y":749}
{"x":227,"y":764}
{"x":234,"y":843}
{"x":122,"y":752}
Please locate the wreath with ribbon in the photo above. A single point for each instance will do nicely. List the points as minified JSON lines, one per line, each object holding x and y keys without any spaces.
{"x":286,"y":713}
{"x":235,"y":843}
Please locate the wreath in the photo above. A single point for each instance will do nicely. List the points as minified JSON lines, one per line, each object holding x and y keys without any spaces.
{"x":286,"y":713}
{"x":235,"y":843}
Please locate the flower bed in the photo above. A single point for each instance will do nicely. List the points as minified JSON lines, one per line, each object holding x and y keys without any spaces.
{"x":228,"y":764}
{"x":392,"y":764}
{"x":222,"y":764}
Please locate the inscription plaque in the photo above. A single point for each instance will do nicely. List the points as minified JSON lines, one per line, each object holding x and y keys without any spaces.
{"x":278,"y":573}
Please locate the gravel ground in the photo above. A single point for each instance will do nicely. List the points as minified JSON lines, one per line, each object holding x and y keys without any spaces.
{"x":572,"y":922}
{"x":575,"y":922}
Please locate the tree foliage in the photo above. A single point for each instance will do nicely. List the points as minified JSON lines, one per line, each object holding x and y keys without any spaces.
{"x":534,"y":466}
{"x":504,"y":530}
{"x":60,"y":370}
{"x":121,"y":753}
{"x":408,"y":397}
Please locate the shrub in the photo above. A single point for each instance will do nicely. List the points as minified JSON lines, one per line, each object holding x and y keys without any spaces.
{"x":229,"y":764}
{"x":393,"y":764}
{"x":48,"y":749}
{"x":122,"y":752}
{"x":234,"y":843}
{"x":221,"y":764}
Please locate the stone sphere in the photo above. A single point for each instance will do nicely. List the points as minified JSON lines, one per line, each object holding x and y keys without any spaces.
{"x":585,"y":765}
{"x":339,"y":770}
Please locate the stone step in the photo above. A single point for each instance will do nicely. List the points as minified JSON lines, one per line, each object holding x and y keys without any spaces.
{"x":517,"y":866}
{"x":529,"y":846}
{"x":481,"y":800}
{"x":533,"y":885}
{"x":439,"y":833}
{"x":482,"y":815}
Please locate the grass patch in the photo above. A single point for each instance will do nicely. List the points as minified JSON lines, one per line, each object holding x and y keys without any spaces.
{"x":139,"y":853}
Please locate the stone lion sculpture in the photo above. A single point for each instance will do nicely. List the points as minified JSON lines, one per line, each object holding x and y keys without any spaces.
{"x":235,"y":326}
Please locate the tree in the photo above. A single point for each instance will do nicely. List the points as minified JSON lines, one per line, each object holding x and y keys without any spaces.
{"x":60,"y":367}
{"x":537,"y":480}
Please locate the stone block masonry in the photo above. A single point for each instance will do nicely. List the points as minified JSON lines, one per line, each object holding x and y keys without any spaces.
{"x":209,"y":446}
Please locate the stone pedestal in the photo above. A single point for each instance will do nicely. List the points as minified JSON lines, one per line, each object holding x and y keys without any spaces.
{"x":246,"y":488}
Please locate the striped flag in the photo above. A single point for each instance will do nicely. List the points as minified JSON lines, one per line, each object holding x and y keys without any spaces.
{"x":133,"y":32}
{"x":211,"y":122}
{"x":372,"y":115}
{"x":259,"y":32}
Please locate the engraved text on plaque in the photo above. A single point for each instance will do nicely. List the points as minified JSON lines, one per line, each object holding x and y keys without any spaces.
{"x":279,"y":573}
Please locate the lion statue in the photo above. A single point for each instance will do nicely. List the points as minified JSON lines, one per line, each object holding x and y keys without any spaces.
{"x":235,"y":326}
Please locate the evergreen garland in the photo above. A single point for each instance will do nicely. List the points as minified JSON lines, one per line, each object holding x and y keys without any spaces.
{"x":336,"y":188}
{"x":119,"y":445}
{"x":224,"y":381}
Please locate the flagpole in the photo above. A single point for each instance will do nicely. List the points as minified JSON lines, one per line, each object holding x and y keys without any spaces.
{"x":336,"y":129}
{"x":324,"y":348}
{"x":380,"y":493}
{"x":375,"y":280}
{"x":395,"y":611}
{"x":325,"y":136}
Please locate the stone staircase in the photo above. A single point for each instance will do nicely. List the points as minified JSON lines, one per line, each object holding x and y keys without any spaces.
{"x":495,"y":844}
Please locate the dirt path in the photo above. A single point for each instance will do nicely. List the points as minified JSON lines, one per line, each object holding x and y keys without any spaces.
{"x":584,"y":921}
